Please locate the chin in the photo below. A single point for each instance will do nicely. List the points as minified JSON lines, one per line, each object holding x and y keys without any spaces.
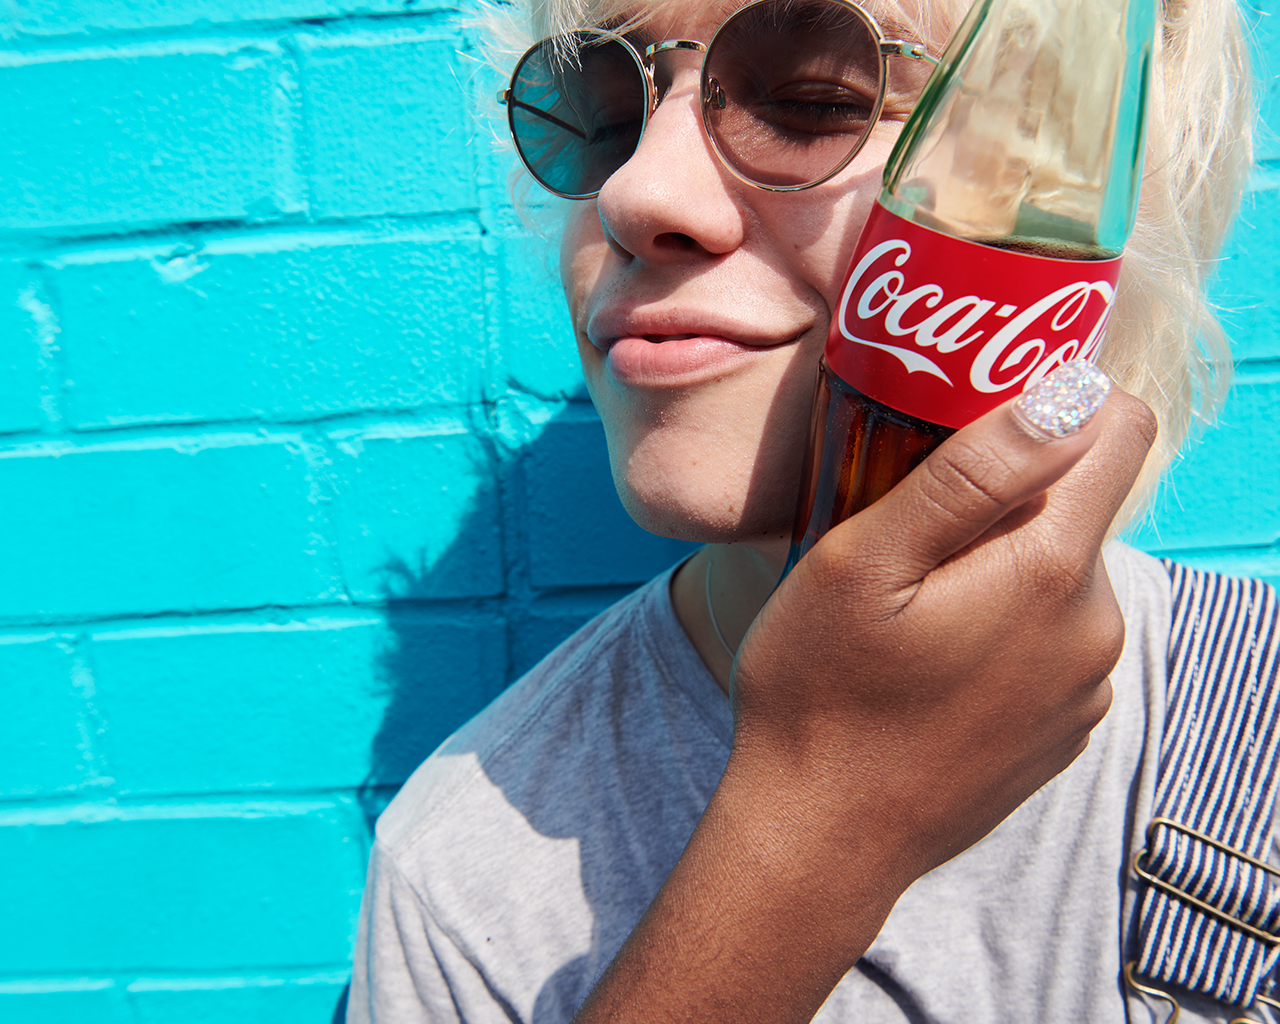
{"x":707,"y":484}
{"x":699,"y":511}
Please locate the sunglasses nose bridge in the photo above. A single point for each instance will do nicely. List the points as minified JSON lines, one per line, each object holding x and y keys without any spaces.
{"x":667,"y":45}
{"x":685,"y":77}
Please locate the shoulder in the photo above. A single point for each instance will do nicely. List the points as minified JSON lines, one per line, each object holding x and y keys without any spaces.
{"x":532,"y":840}
{"x":1149,"y":578}
{"x":1141,"y":581}
{"x":1216,"y":785}
{"x":1233,"y":608}
{"x":1224,"y":658}
{"x":1212,"y":612}
{"x":1179,"y":618}
{"x":539,"y":831}
{"x":617,"y":680}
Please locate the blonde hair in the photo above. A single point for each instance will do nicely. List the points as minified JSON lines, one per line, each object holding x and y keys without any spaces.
{"x":1165,"y":344}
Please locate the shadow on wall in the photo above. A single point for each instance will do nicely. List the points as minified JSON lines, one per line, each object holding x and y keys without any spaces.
{"x":571,"y":551}
{"x":445,"y":661}
{"x":422,"y":708}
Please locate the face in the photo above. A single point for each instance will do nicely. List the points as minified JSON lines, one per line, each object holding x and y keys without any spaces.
{"x":700,"y":306}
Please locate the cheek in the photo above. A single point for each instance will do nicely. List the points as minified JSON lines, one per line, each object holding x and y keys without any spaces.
{"x":582,"y":254}
{"x":819,"y":227}
{"x":582,"y":250}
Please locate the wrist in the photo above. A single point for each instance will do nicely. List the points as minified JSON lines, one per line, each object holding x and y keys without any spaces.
{"x":825,"y":855}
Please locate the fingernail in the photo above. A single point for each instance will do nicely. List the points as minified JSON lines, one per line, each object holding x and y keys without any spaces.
{"x":1067,"y":399}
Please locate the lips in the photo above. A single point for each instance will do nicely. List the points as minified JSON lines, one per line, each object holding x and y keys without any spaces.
{"x":659,"y":326}
{"x":641,"y":361}
{"x":665,"y":349}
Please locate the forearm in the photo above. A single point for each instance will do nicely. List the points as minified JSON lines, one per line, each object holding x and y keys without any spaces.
{"x":768,"y":908}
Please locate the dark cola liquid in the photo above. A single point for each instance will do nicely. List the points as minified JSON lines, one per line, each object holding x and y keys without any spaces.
{"x":858,"y":449}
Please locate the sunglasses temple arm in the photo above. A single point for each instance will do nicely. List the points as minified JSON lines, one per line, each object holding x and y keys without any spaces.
{"x":913,"y":51}
{"x":545,"y":116}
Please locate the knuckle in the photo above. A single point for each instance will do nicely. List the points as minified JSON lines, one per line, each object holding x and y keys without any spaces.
{"x":1110,"y":635}
{"x":1102,"y":700}
{"x":1138,"y":418}
{"x":965,"y":479}
{"x":1059,"y":569}
{"x":1090,"y":713}
{"x":1099,"y":645}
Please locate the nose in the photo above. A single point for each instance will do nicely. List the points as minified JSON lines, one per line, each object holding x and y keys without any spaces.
{"x":672,"y":199}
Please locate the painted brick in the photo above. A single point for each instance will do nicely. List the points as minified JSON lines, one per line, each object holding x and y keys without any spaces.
{"x":58,"y":17}
{"x":203,"y":1001}
{"x":537,"y":635}
{"x":1249,"y":279}
{"x":20,"y":349}
{"x":536,"y":352}
{"x":204,"y":891}
{"x":1261,"y":16}
{"x":99,"y":1001}
{"x":142,"y":137}
{"x":308,"y":331}
{"x":42,"y":747}
{"x":435,"y":678}
{"x":133,"y":530}
{"x":1226,"y":492}
{"x":295,"y":706}
{"x":256,"y":1003}
{"x":259,"y":706}
{"x":417,"y":516}
{"x":579,"y":534}
{"x":388,"y":130}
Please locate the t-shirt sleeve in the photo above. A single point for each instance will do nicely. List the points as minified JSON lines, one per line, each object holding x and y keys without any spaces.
{"x":406,"y":970}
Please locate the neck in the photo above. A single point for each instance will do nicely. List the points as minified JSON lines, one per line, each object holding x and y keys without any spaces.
{"x":742,"y":576}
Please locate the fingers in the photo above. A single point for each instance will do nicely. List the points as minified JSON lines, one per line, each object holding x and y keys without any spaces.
{"x":1089,"y":496}
{"x":1002,"y":461}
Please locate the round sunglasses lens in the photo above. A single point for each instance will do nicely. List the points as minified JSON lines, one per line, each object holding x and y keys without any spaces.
{"x":791,"y":90}
{"x":577,"y":108}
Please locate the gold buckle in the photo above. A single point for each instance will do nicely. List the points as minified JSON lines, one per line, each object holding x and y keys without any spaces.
{"x":1159,"y":993}
{"x":1270,"y":938}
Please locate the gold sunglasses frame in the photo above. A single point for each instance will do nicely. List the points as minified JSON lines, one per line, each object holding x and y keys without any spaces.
{"x":708,"y":89}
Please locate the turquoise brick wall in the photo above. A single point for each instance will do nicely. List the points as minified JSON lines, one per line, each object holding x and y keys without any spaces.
{"x":1220,"y":508}
{"x":298,"y":474}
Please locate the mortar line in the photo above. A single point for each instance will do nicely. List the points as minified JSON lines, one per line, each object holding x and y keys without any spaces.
{"x":89,"y":39}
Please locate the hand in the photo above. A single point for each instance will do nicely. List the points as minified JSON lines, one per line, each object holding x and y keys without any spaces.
{"x":939,"y":657}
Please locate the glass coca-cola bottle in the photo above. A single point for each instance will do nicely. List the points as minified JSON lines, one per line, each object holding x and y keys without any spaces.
{"x":993,"y":252}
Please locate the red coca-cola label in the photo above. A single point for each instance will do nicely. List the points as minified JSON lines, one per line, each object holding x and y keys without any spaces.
{"x":945,"y":329}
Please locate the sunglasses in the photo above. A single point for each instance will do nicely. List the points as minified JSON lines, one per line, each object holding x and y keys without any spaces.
{"x":790,"y":92}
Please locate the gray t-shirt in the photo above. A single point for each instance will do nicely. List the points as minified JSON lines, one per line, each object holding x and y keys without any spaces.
{"x":515,"y":862}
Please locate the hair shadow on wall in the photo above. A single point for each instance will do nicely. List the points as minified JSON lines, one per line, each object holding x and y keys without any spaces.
{"x":569,"y":551}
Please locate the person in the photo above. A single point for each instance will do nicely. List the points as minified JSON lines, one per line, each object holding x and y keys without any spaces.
{"x":903,"y":784}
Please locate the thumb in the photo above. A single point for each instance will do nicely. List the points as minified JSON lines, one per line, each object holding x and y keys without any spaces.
{"x":983,"y":471}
